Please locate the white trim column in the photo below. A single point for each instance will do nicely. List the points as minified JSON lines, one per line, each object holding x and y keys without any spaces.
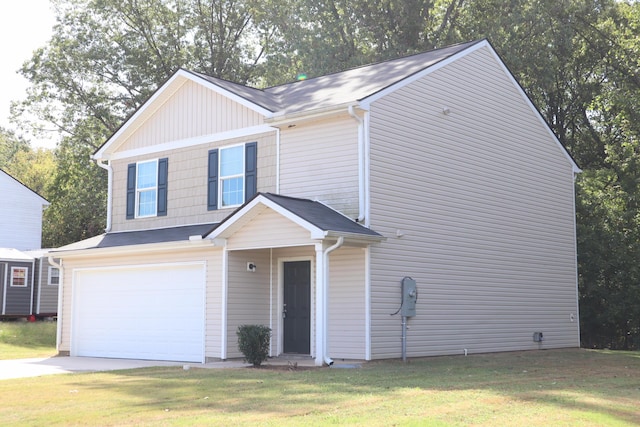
{"x":319,"y":306}
{"x":223,"y":308}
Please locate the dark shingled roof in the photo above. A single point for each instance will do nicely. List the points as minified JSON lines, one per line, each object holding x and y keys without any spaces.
{"x":315,"y":213}
{"x":337,"y":88}
{"x":129,"y":238}
{"x":320,"y":215}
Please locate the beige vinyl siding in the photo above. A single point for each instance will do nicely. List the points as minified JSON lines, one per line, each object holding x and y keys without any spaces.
{"x":247,"y":294}
{"x":347,"y":332}
{"x":192,"y":111}
{"x":319,"y":161}
{"x":187,"y":184}
{"x":477,"y":206}
{"x":211,"y":256}
{"x":269,"y":229}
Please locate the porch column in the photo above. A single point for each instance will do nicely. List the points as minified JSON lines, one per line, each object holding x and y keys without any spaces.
{"x":320,"y":301}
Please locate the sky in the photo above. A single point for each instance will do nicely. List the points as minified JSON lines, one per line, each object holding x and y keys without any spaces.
{"x":25,"y":25}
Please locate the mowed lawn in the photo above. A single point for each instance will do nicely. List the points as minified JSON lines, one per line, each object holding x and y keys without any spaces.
{"x":20,"y":339}
{"x":538,"y":388}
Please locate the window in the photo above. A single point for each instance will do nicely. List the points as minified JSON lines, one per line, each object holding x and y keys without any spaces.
{"x":232,"y":175}
{"x":54,"y":276}
{"x":19,"y":276}
{"x":147,"y":189}
{"x":231,"y":184}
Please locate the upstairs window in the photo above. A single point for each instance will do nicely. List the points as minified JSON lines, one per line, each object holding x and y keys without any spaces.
{"x":232,"y":175}
{"x":147,"y":188}
{"x":19,"y":276}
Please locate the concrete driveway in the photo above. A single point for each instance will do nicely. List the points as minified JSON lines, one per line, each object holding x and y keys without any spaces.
{"x":23,"y":368}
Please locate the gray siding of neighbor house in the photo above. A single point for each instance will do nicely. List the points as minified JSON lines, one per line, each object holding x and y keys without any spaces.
{"x":17,"y":300}
{"x":478,"y":208}
{"x":45,"y":295}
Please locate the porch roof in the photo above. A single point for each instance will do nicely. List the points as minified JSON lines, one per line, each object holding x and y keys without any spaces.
{"x":320,"y":219}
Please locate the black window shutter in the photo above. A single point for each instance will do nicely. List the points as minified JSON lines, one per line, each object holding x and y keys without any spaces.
{"x":250,"y":170}
{"x":163,"y":168}
{"x":131,"y":191}
{"x":212,"y":189}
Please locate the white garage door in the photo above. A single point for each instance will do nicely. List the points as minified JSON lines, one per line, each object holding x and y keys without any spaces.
{"x":144,"y":312}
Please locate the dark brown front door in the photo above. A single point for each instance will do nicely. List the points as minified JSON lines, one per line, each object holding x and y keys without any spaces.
{"x":296,"y":310}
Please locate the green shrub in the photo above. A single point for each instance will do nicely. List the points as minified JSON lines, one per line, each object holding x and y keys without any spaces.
{"x":253,"y":342}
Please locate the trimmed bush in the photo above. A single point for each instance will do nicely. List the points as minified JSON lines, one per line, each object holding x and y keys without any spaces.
{"x":253,"y":342}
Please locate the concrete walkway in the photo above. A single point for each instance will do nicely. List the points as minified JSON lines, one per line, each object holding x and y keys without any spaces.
{"x":24,"y":368}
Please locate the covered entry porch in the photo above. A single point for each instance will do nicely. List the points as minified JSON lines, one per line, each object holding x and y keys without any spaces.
{"x":301,"y":269}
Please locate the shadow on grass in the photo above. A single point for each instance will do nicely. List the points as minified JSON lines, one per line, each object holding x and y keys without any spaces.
{"x":604,"y":384}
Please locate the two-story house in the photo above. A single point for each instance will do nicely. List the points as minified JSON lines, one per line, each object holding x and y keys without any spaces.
{"x":28,"y":283}
{"x":304,"y":207}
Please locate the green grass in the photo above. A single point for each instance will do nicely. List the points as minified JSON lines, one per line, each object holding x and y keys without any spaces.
{"x":538,"y":388}
{"x":20,"y":339}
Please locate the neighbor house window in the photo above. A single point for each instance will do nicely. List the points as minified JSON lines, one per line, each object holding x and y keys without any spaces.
{"x":19,"y":276}
{"x":54,"y":276}
{"x":147,"y":188}
{"x":232,"y":175}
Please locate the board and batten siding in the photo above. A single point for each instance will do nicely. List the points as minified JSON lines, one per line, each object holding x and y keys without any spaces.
{"x":187,"y":184}
{"x":211,"y":256}
{"x":478,"y":207}
{"x":319,"y":161}
{"x":347,"y":317}
{"x":193,"y":110}
{"x":268,"y":229}
{"x":20,"y":215}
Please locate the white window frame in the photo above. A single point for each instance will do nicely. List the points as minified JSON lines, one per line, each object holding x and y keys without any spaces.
{"x":26,"y":277}
{"x":51,"y":269}
{"x":222,"y":178}
{"x":147,"y":190}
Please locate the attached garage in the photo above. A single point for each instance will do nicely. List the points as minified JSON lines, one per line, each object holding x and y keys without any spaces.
{"x":151,"y":312}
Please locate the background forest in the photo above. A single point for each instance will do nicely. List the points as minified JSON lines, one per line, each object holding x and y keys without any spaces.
{"x":578,"y":60}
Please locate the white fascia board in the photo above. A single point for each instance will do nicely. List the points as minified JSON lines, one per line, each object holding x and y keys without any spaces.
{"x":172,"y":84}
{"x":190,"y":142}
{"x":365,"y":103}
{"x":315,"y":232}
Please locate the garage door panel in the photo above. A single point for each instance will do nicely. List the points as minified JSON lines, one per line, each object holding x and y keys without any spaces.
{"x":143,"y":312}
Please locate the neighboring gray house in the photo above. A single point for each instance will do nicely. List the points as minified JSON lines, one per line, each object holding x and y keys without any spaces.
{"x":28,"y":284}
{"x":20,"y":215}
{"x":304,"y":207}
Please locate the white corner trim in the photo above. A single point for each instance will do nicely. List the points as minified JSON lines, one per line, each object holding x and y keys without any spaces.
{"x":190,"y":142}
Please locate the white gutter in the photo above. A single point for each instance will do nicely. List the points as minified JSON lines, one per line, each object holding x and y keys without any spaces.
{"x":325,"y":296}
{"x":58,"y":314}
{"x":277,"y":160}
{"x":109,"y":170}
{"x":361,"y":155}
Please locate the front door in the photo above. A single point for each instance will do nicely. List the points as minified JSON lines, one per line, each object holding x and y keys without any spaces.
{"x":296,"y":310}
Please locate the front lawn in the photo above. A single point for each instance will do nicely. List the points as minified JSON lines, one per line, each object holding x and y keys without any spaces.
{"x":538,"y":388}
{"x":20,"y":339}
